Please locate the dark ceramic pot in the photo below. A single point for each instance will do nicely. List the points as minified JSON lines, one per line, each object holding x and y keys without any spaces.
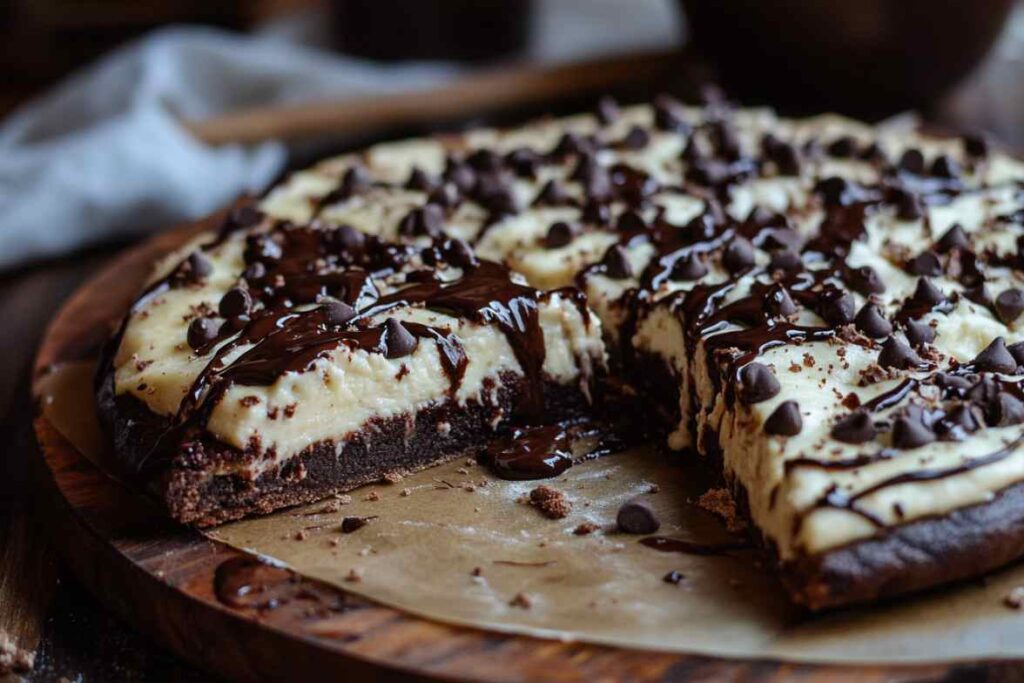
{"x":862,"y":57}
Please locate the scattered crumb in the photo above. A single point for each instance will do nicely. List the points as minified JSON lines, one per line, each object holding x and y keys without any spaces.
{"x":654,"y":488}
{"x":332,"y":506}
{"x":1015,"y":598}
{"x":462,"y":470}
{"x":470,"y":462}
{"x":551,"y":502}
{"x":406,"y":492}
{"x":392,"y":477}
{"x":521,"y":600}
{"x":585,"y":529}
{"x":343,"y":498}
{"x":477,"y":571}
{"x":354,"y":575}
{"x":334,"y":542}
{"x":719,"y":503}
{"x":372,"y":496}
{"x":300,"y":535}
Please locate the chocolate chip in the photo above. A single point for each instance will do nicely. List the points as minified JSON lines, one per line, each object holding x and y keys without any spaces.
{"x":607,"y":110}
{"x":495,"y":194}
{"x":426,"y":220}
{"x":927,"y":294}
{"x":235,"y":302}
{"x":571,"y":143}
{"x":975,"y":146}
{"x":908,"y":206}
{"x":1009,"y":305}
{"x":636,"y":138}
{"x":631,"y":221}
{"x":398,"y":341}
{"x":960,"y":416}
{"x":1017,"y":351}
{"x":674,"y":577}
{"x":485,"y":161}
{"x":354,"y":181}
{"x":785,"y":420}
{"x":201,"y":331}
{"x":1008,"y":410}
{"x":979,"y":295}
{"x":757,"y":383}
{"x":738,"y":255}
{"x":690,"y":267}
{"x":995,"y":358}
{"x":559,"y":235}
{"x":865,"y":280}
{"x":726,"y":144}
{"x":199,"y":266}
{"x":461,"y":174}
{"x":836,"y":307}
{"x":918,"y":332}
{"x":349,"y":239}
{"x":596,"y":213}
{"x":912,"y":161}
{"x":855,"y":428}
{"x":337,"y":312}
{"x":524,"y":162}
{"x":616,"y":263}
{"x":636,"y":517}
{"x":782,"y":154}
{"x":872,"y":152}
{"x":896,"y":354}
{"x":666,"y":117}
{"x":419,"y":181}
{"x":778,"y":302}
{"x":872,"y":322}
{"x":446,"y":195}
{"x":954,"y":238}
{"x":985,"y":392}
{"x":925,"y":263}
{"x":842,"y":147}
{"x":785,"y":260}
{"x":945,"y":167}
{"x":458,"y":253}
{"x":837,"y":191}
{"x":910,"y":433}
{"x":552,"y":194}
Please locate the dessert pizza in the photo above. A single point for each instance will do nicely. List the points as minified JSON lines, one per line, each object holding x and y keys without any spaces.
{"x":829,"y":313}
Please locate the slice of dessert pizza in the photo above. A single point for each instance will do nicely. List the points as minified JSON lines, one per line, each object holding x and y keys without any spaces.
{"x":275,"y":363}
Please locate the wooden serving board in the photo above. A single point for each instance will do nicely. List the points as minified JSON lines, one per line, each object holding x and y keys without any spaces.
{"x":163,"y":578}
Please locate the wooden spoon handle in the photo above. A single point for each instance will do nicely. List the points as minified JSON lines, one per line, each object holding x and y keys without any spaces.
{"x":483,"y":91}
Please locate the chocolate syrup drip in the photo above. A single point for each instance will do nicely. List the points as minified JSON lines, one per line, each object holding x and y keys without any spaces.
{"x":834,"y":498}
{"x":531,"y":453}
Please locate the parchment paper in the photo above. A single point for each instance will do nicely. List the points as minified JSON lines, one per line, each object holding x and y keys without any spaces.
{"x":432,"y":530}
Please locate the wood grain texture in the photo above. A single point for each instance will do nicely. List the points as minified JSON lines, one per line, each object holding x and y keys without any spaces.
{"x":160,"y":577}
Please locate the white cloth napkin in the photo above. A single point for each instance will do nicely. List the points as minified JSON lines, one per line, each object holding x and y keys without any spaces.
{"x":102,"y":154}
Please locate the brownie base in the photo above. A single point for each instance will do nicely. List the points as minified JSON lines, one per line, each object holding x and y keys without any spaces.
{"x":203,"y":482}
{"x":908,"y":558}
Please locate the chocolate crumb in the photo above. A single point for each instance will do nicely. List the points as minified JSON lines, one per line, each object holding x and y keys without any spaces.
{"x":372,"y":496}
{"x":406,"y":492}
{"x":720,"y":503}
{"x":393,"y":477}
{"x":521,"y":600}
{"x":300,"y":535}
{"x":477,"y":571}
{"x":586,"y":529}
{"x":550,"y":502}
{"x":354,"y":575}
{"x":1015,"y":598}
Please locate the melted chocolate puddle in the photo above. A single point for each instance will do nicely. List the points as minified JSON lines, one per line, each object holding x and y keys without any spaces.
{"x":531,"y":453}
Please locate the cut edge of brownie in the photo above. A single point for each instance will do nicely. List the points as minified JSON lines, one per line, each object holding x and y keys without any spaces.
{"x":402,"y":443}
{"x":968,"y":542}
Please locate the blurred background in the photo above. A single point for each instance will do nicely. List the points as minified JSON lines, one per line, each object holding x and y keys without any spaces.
{"x":120,"y":117}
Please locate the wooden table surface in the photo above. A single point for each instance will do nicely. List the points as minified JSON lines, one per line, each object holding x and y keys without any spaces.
{"x":82,"y":642}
